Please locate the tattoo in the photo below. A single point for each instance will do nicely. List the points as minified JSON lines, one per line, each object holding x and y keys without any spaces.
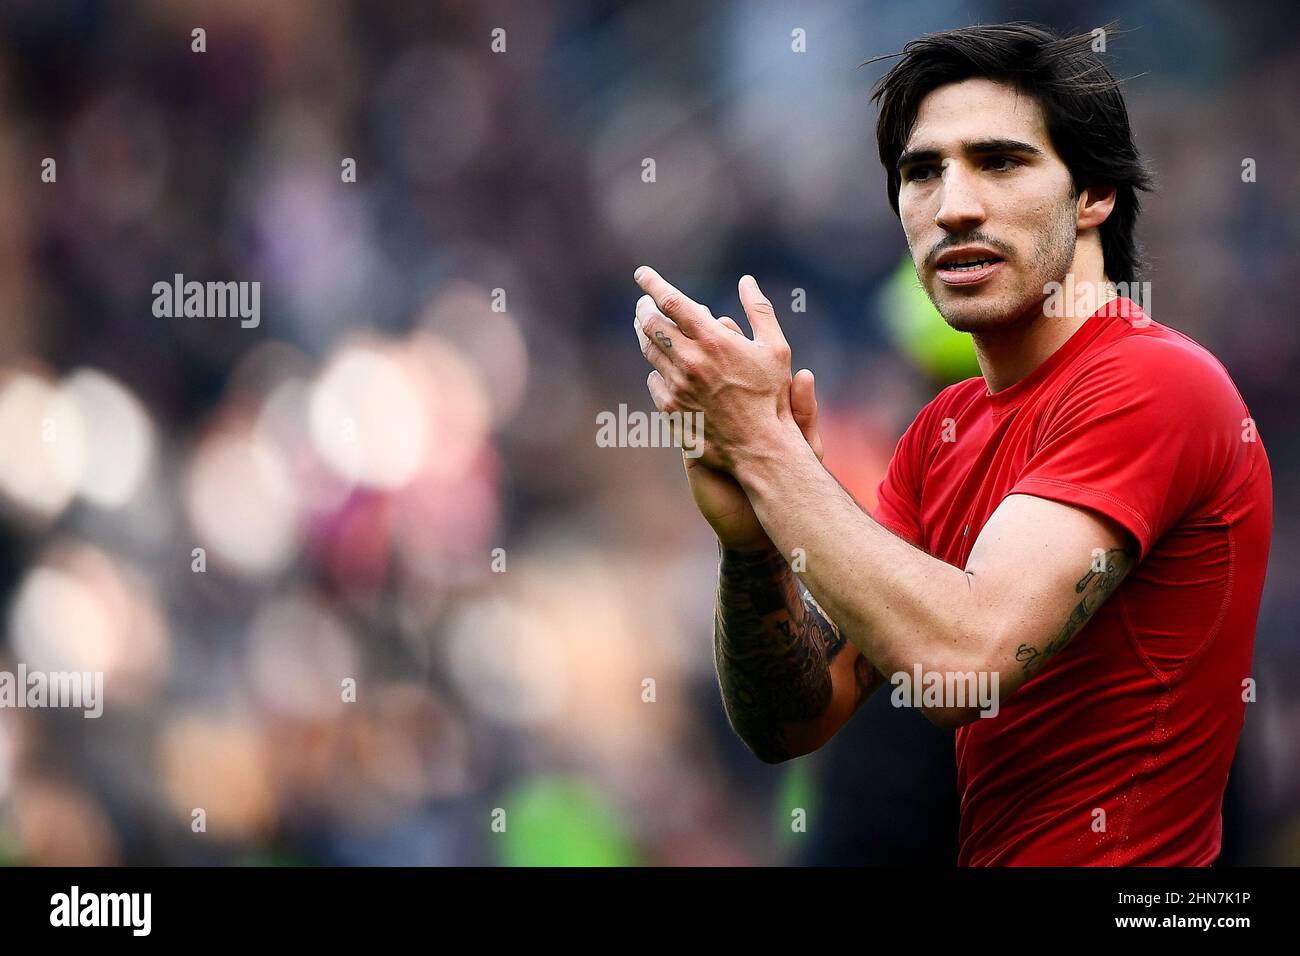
{"x":773,"y":648}
{"x":662,"y":338}
{"x":1095,"y":587}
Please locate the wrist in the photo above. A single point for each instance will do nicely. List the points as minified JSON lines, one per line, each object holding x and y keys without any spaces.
{"x":757,"y":546}
{"x":775,"y":448}
{"x":766,"y":564}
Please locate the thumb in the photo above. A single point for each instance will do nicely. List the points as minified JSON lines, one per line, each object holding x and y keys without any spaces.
{"x":758,"y":308}
{"x":803,"y":405}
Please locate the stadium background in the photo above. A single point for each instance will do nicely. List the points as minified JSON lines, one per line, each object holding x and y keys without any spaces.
{"x":521,"y":171}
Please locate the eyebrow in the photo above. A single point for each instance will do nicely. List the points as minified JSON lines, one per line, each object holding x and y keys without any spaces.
{"x":928,"y":154}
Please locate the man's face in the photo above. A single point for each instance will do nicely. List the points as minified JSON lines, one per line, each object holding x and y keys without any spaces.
{"x":981,"y":181}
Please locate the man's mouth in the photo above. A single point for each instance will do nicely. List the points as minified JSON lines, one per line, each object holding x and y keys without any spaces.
{"x":967,"y":266}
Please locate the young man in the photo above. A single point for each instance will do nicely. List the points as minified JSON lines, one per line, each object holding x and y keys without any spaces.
{"x":1086,"y":524}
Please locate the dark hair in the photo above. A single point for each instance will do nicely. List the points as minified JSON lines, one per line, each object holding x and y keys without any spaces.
{"x":1084,"y":108}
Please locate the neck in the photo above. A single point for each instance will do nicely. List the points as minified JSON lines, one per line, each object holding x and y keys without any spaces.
{"x":1009,"y":354}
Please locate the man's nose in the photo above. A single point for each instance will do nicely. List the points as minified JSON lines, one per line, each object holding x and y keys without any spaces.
{"x":960,"y":208}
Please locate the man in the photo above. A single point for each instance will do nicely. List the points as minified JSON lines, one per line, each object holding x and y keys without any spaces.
{"x":1086,"y":524}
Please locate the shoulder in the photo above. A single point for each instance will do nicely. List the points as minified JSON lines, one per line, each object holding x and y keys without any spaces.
{"x":952,"y":400}
{"x":929,"y":422}
{"x":912,"y":452}
{"x":1154,"y":395}
{"x":1154,"y":366}
{"x":948,"y":403}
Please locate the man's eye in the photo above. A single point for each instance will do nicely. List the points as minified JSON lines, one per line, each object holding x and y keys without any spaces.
{"x":914,"y":173}
{"x":1001,"y":164}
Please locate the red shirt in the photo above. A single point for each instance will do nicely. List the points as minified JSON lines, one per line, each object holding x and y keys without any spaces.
{"x":1138,"y":716}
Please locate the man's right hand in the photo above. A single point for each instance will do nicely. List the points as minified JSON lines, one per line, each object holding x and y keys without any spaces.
{"x":719,"y":496}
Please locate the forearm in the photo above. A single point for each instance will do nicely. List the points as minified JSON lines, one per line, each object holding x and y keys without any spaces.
{"x":898,"y":605}
{"x":779,"y":659}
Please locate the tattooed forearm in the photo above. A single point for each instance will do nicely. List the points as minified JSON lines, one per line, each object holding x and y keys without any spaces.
{"x":773,"y":648}
{"x":1094,"y":588}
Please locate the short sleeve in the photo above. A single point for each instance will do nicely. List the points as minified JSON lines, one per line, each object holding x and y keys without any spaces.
{"x":1140,"y":437}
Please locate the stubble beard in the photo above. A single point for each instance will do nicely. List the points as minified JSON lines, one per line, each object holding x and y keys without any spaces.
{"x":1018,"y":298}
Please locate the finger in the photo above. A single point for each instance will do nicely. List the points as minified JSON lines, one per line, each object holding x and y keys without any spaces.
{"x":803,"y":398}
{"x":730,"y":323}
{"x":645,"y":308}
{"x":762,"y":317}
{"x":803,"y":405}
{"x":655,"y":355}
{"x":659,"y":390}
{"x":641,"y":340}
{"x":689,"y":315}
{"x":662,"y":333}
{"x":661,"y":394}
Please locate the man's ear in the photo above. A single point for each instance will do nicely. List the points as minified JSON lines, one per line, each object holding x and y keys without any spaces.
{"x":1095,"y":205}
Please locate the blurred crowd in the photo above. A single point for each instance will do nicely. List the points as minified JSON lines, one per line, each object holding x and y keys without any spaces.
{"x":361,"y":584}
